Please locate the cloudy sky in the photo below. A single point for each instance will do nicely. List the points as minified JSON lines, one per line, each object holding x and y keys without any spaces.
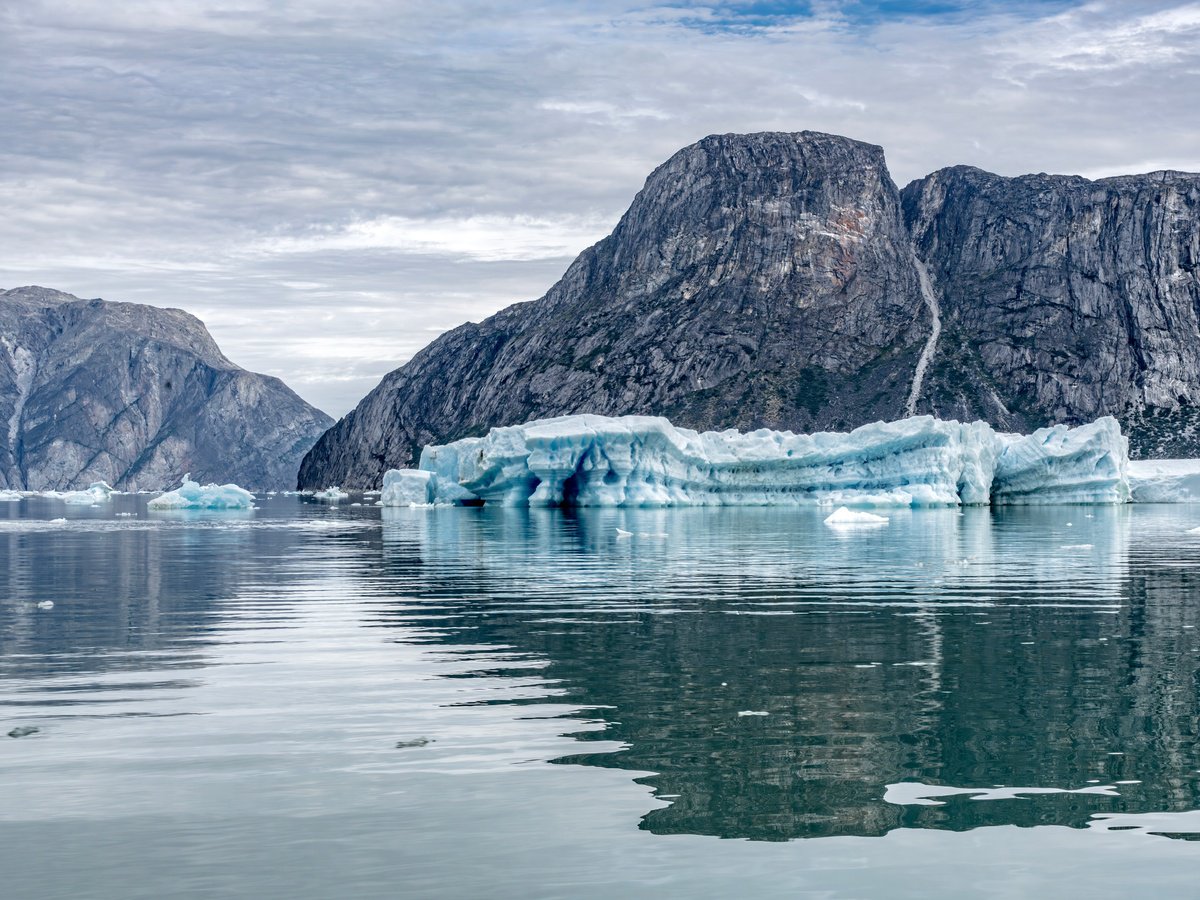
{"x":331,"y":183}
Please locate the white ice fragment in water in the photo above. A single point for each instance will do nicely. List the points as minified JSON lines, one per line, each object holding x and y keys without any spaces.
{"x":10,"y":496}
{"x":1195,"y":530}
{"x":96,"y":493}
{"x":45,"y":604}
{"x":1076,"y":547}
{"x":753,"y":712}
{"x":622,"y":533}
{"x":331,"y":495}
{"x":58,"y":521}
{"x":849,"y":518}
{"x":191,"y":495}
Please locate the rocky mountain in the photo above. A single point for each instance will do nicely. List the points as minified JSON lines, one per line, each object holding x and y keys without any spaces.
{"x":135,"y":396}
{"x":782,"y":280}
{"x":1065,"y":299}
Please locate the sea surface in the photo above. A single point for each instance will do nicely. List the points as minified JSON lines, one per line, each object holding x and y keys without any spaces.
{"x":310,"y":702}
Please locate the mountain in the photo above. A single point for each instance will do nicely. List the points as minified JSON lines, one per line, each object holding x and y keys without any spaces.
{"x":782,"y":280}
{"x":1065,"y":299}
{"x":136,"y":396}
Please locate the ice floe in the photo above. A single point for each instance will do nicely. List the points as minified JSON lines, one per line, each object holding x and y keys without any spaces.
{"x":590,"y":460}
{"x":331,"y":495}
{"x":851,"y":518}
{"x":192,"y":495}
{"x":1165,"y":480}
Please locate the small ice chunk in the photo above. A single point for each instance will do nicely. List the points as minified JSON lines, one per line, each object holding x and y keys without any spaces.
{"x":58,"y":521}
{"x":10,"y":496}
{"x":96,"y":493}
{"x":191,"y":495}
{"x":622,"y":533}
{"x":23,"y":731}
{"x":45,"y":604}
{"x":845,"y":517}
{"x":753,"y":712}
{"x":331,"y":495}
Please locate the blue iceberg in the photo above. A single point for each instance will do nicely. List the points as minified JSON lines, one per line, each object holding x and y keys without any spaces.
{"x":589,"y":460}
{"x":192,"y":495}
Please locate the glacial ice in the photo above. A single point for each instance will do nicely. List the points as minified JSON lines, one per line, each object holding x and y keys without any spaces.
{"x":331,"y":495}
{"x":192,"y":495}
{"x":590,"y":460}
{"x":851,"y":518}
{"x":1165,"y":480}
{"x":97,"y":492}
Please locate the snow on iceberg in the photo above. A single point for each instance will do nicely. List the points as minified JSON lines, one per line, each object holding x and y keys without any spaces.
{"x":590,"y":460}
{"x":192,"y":495}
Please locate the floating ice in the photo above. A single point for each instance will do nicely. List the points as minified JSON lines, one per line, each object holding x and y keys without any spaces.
{"x":1088,"y":464}
{"x":1165,"y":480}
{"x":591,"y":460}
{"x":407,"y":487}
{"x":10,"y":496}
{"x":192,"y":495}
{"x":848,"y":518}
{"x":331,"y":495}
{"x":97,"y":492}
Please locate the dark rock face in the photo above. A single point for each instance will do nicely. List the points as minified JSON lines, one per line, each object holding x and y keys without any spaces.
{"x":756,"y":281}
{"x":1064,"y":299}
{"x":135,"y":396}
{"x":780,"y":280}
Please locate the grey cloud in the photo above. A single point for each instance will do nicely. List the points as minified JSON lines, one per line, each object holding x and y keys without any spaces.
{"x":329,"y":184}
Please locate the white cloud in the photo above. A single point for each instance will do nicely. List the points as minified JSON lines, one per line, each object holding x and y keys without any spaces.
{"x":484,"y":238}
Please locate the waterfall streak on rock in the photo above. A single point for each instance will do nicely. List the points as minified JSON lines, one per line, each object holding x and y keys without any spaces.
{"x":935,"y":331}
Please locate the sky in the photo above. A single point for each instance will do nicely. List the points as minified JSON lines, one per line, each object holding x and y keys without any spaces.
{"x":330,"y":184}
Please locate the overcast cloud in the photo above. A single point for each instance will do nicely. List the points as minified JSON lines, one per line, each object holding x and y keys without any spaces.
{"x":331,"y":183}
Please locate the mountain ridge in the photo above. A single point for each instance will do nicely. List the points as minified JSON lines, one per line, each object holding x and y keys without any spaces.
{"x":137,"y":396}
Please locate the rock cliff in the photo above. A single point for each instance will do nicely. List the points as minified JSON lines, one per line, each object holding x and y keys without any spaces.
{"x":782,"y":280}
{"x":756,"y":281}
{"x":1065,"y":299}
{"x":136,"y":396}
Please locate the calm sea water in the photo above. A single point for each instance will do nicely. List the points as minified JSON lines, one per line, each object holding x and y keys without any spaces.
{"x":304,"y":702}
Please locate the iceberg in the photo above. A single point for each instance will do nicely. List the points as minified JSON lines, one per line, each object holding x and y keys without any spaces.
{"x":1165,"y":480}
{"x":330,"y":495}
{"x":97,"y":492}
{"x":192,"y":495}
{"x":851,"y":518}
{"x":636,"y":461}
{"x":1088,"y":464}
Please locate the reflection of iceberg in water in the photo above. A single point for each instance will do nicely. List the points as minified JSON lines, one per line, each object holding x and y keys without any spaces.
{"x":1013,"y":646}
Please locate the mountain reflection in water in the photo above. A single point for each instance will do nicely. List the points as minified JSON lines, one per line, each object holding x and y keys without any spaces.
{"x":1039,"y":648}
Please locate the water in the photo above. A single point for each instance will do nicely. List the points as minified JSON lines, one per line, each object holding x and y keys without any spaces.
{"x":309,"y":702}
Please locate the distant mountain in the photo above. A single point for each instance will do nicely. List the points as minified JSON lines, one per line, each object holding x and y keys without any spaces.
{"x":783,"y":280}
{"x":135,"y":396}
